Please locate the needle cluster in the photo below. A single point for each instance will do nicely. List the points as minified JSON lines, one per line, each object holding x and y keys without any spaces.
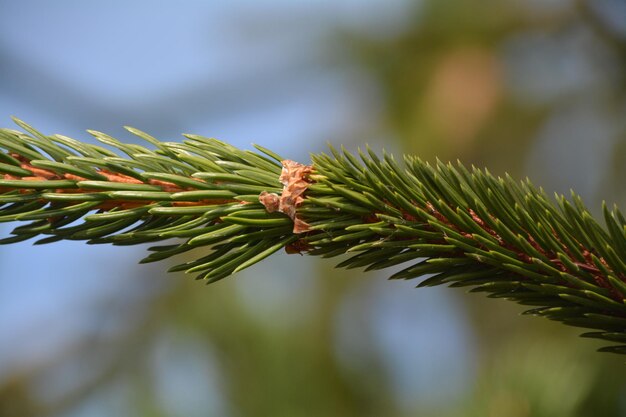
{"x":448,"y":224}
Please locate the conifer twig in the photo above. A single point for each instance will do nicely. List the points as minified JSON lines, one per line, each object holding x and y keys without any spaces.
{"x":456,"y":226}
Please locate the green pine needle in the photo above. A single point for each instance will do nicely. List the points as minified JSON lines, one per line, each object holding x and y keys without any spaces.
{"x":453,"y":225}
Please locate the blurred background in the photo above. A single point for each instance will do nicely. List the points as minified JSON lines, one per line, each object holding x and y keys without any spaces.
{"x":534,"y":88}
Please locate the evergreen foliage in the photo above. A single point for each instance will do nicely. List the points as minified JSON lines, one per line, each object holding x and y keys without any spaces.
{"x":457,"y":226}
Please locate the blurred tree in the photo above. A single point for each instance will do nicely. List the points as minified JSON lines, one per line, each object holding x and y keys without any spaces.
{"x":480,"y":81}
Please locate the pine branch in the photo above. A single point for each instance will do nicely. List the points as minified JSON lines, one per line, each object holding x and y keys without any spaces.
{"x":458,"y":226}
